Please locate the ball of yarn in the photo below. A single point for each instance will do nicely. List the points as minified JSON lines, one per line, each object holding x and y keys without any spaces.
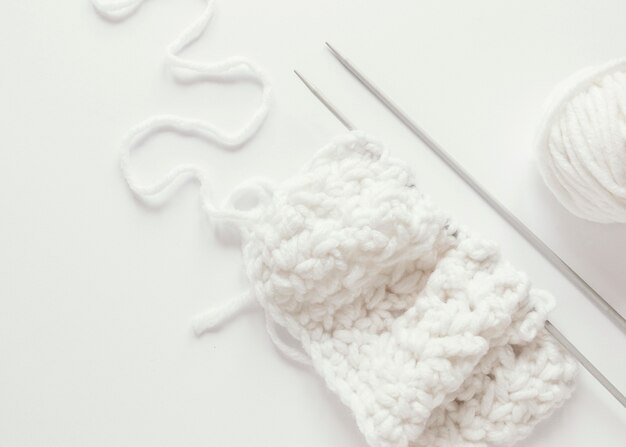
{"x":581,"y":143}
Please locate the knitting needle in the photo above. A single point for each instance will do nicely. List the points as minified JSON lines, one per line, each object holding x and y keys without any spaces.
{"x":347,"y":124}
{"x":548,"y":325}
{"x":517,"y":224}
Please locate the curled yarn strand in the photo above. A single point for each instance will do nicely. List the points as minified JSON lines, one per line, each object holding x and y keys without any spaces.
{"x":181,"y":67}
{"x":116,"y":9}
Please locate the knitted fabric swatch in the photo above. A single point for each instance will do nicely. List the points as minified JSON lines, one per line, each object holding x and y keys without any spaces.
{"x":419,"y":327}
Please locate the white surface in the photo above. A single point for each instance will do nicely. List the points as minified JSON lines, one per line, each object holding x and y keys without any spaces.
{"x":96,"y":290}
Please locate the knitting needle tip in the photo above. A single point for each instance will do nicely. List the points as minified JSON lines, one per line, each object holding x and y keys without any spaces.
{"x":330,"y":47}
{"x":318,"y":94}
{"x":300,"y":76}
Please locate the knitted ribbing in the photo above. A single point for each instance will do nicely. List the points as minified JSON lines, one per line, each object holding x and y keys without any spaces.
{"x":420,"y":327}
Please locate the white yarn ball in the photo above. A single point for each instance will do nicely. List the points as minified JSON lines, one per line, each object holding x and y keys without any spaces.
{"x":581,"y":143}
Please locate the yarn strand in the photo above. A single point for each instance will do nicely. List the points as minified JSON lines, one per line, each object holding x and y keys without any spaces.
{"x":231,"y":68}
{"x":116,"y":9}
{"x":216,"y":316}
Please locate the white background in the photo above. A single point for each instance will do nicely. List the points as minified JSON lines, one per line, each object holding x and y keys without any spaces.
{"x":97,"y":290}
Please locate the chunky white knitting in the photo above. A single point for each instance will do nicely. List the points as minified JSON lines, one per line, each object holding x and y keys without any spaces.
{"x":420,"y":328}
{"x":581,"y":143}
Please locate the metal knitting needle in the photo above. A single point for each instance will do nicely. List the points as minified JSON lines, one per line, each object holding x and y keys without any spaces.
{"x":347,"y":124}
{"x":548,"y":325}
{"x":517,"y":224}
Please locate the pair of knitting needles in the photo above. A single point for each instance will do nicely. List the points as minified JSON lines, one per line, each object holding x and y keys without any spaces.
{"x":517,"y":224}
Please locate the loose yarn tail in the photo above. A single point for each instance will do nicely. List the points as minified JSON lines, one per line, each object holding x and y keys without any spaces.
{"x":217,"y":315}
{"x":232,"y":68}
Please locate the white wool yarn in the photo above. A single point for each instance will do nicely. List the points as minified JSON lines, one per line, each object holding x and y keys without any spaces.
{"x":581,"y":143}
{"x":232,"y":69}
{"x":419,"y":327}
